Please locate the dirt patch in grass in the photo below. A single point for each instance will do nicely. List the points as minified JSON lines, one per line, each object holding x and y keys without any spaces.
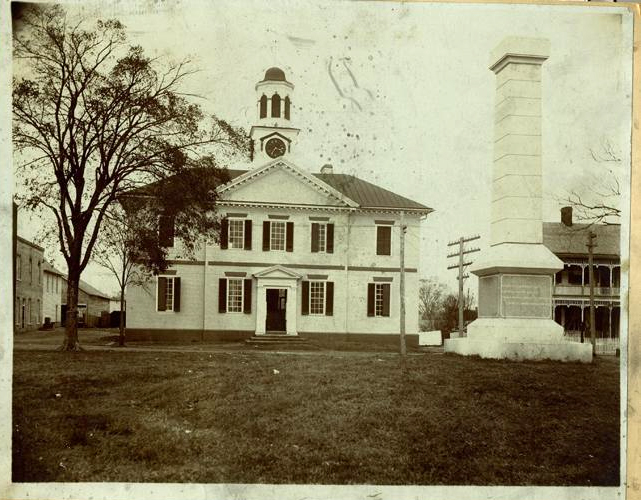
{"x":333,"y":419}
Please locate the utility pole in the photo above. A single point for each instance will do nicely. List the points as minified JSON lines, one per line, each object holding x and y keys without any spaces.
{"x":591,"y":245}
{"x":461,"y":274}
{"x":402,"y":284}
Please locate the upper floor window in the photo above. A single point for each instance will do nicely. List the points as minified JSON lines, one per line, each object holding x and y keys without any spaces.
{"x":19,"y":267}
{"x":263,"y":106}
{"x":322,"y":237}
{"x":278,"y":235}
{"x":384,"y":240}
{"x":166,"y":231}
{"x":168,"y":293}
{"x":236,"y":233}
{"x":39,"y":273}
{"x":30,"y":270}
{"x":275,"y":106}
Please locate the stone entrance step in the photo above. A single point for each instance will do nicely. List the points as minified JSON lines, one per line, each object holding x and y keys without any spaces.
{"x":280,"y":340}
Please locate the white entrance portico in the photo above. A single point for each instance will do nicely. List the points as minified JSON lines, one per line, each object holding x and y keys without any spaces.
{"x":276,"y":300}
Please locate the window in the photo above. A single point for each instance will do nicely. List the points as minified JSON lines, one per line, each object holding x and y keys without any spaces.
{"x":29,"y":320}
{"x":30,"y":270}
{"x":317,"y":297}
{"x":235,"y":295}
{"x":278,"y":235}
{"x":19,"y":267}
{"x":378,"y":299}
{"x":275,"y":106}
{"x":39,"y":273}
{"x":236,"y":233}
{"x":322,"y":237}
{"x":17,"y":314}
{"x":383,"y":240}
{"x":168,"y":293}
{"x":287,"y":107}
{"x":263,"y":106}
{"x":166,"y":231}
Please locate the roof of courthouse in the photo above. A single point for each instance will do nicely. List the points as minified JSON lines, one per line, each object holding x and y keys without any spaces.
{"x":366,"y":194}
{"x":571,"y":240}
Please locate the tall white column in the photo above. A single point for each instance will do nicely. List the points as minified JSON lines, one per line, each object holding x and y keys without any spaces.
{"x":261,"y":309}
{"x":292,"y":308}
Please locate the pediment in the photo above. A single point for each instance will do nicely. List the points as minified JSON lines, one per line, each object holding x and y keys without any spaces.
{"x":281,"y":182}
{"x":278,"y":271}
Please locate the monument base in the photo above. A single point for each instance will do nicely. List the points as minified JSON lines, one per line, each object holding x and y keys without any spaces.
{"x":518,"y":339}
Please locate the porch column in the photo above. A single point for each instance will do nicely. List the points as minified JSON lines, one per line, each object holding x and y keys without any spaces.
{"x":292,"y":308}
{"x":610,"y":321}
{"x":261,"y":309}
{"x":563,"y":317}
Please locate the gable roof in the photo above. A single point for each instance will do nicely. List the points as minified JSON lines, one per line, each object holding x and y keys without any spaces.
{"x":571,"y":240}
{"x":89,"y":290}
{"x":365,"y":194}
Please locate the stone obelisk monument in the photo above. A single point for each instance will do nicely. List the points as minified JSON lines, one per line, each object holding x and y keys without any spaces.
{"x":516,"y":273}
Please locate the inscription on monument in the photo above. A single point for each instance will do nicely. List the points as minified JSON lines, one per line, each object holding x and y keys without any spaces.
{"x":526,"y":296}
{"x":488,"y":297}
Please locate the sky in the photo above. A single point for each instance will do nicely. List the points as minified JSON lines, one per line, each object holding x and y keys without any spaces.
{"x":400,"y":94}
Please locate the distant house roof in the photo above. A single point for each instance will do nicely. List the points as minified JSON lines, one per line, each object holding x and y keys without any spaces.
{"x":88,"y":289}
{"x":366,"y":194}
{"x":48,"y":268}
{"x":571,"y":240}
{"x":30,"y":243}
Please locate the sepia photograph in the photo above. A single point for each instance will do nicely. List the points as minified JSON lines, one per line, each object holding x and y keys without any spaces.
{"x":328,"y":249}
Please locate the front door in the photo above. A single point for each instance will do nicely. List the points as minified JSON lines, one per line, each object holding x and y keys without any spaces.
{"x":276,"y":310}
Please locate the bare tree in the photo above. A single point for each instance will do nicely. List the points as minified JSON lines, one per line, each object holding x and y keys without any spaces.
{"x":430,"y":299}
{"x":599,"y":202}
{"x":94,"y":118}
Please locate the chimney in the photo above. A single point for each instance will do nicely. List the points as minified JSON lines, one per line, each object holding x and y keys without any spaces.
{"x":566,"y":216}
{"x":327,"y":169}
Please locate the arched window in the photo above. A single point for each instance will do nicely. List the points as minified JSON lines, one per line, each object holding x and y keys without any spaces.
{"x":263,"y":106}
{"x":287,"y":106}
{"x":275,"y":106}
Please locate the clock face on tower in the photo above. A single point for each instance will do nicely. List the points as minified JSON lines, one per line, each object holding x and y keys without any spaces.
{"x":275,"y":148}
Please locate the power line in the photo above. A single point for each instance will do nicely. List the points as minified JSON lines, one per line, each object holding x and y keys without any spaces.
{"x":462,"y":264}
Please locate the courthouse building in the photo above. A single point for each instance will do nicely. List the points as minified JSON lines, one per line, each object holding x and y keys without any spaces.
{"x":303,"y":250}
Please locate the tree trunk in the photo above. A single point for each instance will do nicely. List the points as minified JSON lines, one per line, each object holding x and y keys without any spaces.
{"x":70,"y":342}
{"x":121,"y":337}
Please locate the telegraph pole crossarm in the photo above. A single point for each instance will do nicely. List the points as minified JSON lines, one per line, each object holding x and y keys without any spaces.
{"x":462,"y":264}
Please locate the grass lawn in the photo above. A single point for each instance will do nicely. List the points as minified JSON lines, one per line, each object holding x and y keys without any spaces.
{"x":324,"y":418}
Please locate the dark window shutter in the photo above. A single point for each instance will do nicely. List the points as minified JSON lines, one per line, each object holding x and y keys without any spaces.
{"x":222,"y":295}
{"x":166,"y":231}
{"x":314,"y":237}
{"x":384,"y":240}
{"x":329,"y":298}
{"x":289,"y":244}
{"x":370,"y":298}
{"x":224,"y":233}
{"x":265,"y":236}
{"x":162,"y":294}
{"x":330,"y":238}
{"x":305,"y":299}
{"x":177,"y":294}
{"x":248,"y":235}
{"x":247,"y":296}
{"x":386,"y":298}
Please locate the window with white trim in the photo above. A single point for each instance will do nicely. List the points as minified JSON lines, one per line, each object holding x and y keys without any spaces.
{"x":277,"y":235}
{"x":169,"y":295}
{"x":317,"y":297}
{"x":19,"y":267}
{"x":322,"y":237}
{"x":234,"y":295}
{"x":236,"y":231}
{"x":378,"y":300}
